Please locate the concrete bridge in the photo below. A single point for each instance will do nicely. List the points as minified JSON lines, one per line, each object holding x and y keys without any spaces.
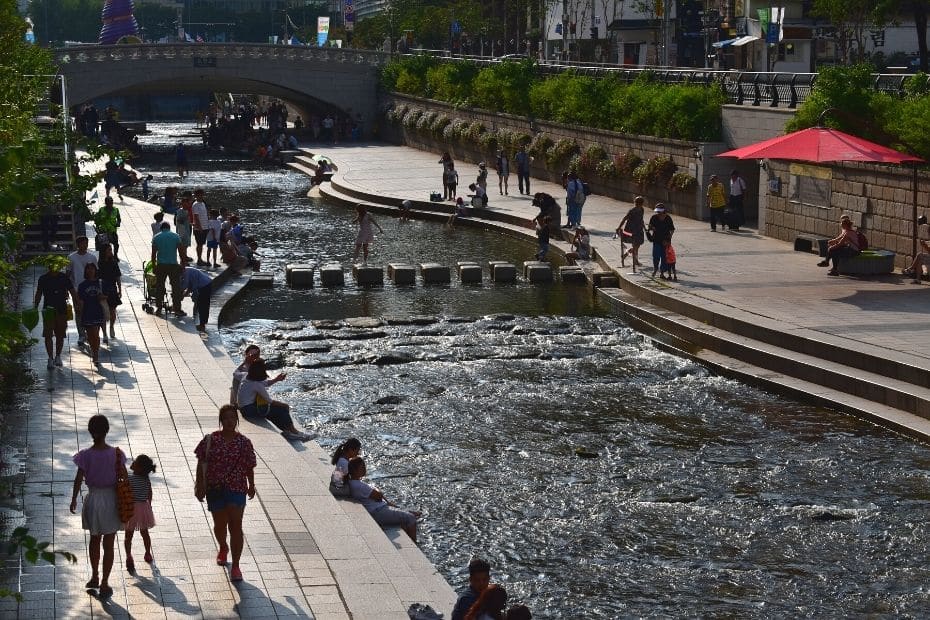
{"x":306,"y":77}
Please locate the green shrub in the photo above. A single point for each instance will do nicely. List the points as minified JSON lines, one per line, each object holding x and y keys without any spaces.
{"x":561,"y":152}
{"x":472,"y":133}
{"x":683,"y":182}
{"x":626,"y":163}
{"x":425,"y":122}
{"x":656,"y":171}
{"x":521,"y":139}
{"x":451,"y":81}
{"x":453,"y":131}
{"x":407,"y":74}
{"x":574,"y":164}
{"x":606,"y":169}
{"x":504,"y":87}
{"x":411,"y":118}
{"x":439,"y":124}
{"x":488,"y":141}
{"x":540,"y":145}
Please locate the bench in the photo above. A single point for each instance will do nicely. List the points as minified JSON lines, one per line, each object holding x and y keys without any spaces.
{"x":868,"y":262}
{"x":811,"y":245}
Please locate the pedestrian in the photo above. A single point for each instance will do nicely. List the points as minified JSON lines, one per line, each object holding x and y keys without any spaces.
{"x":482,"y":180}
{"x":214,"y":235}
{"x":716,"y":202}
{"x":107,"y":222}
{"x":542,"y":236}
{"x":737,"y":192}
{"x":112,"y":280}
{"x":669,"y":266}
{"x":182,"y":224}
{"x":502,"y":165}
{"x":660,"y":228}
{"x":100,"y":466}
{"x":200,"y":225}
{"x":479,"y":578}
{"x":845,"y":245}
{"x":77,"y":261}
{"x":166,"y":256}
{"x":574,"y":199}
{"x":365,"y":233}
{"x":90,"y":302}
{"x":145,"y":187}
{"x":490,"y":605}
{"x":479,"y":199}
{"x":143,"y":519}
{"x":548,"y":206}
{"x":581,"y":246}
{"x":458,"y":211}
{"x":405,"y":208}
{"x":255,"y":402}
{"x":633,"y":226}
{"x":198,"y":285}
{"x":180,"y":159}
{"x":159,"y":217}
{"x":523,"y":159}
{"x":169,"y":201}
{"x":347,"y":450}
{"x":381,"y":510}
{"x":450,"y":181}
{"x":225,"y":476}
{"x":55,"y":287}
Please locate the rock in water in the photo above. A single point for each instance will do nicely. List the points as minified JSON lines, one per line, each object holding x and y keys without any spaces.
{"x":584,"y":453}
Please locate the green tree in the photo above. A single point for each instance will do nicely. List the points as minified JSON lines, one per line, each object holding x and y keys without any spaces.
{"x":851,"y":18}
{"x":890,"y":10}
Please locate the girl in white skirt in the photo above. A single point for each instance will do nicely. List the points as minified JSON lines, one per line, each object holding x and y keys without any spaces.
{"x":98,"y":465}
{"x":143,"y":518}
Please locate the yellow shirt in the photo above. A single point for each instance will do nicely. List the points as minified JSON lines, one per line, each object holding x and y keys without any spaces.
{"x":716,"y":195}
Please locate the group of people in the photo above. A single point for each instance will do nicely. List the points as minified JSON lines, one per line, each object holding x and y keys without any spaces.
{"x":727,"y":209}
{"x":658,"y":230}
{"x":479,"y":189}
{"x":483,"y":600}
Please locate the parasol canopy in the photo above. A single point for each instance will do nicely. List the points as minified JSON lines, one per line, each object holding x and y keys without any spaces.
{"x":821,"y":144}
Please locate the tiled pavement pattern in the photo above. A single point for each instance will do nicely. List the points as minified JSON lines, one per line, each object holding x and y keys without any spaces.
{"x":740,"y":275}
{"x":161,"y":384}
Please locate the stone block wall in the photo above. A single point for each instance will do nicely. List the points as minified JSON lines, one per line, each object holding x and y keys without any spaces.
{"x":684,"y":154}
{"x":744,"y":125}
{"x":879,"y":199}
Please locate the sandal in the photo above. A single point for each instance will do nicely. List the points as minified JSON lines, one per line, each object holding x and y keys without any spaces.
{"x":148,"y":557}
{"x":221,"y":557}
{"x":93,"y":584}
{"x":235,"y":574}
{"x":105,"y":592}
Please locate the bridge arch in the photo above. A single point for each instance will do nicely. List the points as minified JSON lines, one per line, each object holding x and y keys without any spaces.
{"x":343,"y":79}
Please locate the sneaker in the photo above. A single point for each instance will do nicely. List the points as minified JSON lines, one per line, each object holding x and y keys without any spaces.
{"x":235,"y":574}
{"x":51,"y":363}
{"x":58,"y":361}
{"x":179,"y":313}
{"x":823,"y":263}
{"x":833,"y":272}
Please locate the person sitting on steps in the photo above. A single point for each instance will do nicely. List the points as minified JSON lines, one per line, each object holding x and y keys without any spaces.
{"x":844,"y":245}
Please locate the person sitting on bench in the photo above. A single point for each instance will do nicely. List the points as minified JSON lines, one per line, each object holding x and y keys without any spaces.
{"x":845,"y":245}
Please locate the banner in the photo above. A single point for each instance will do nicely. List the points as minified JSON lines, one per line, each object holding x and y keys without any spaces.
{"x":348,"y":15}
{"x":322,"y":30}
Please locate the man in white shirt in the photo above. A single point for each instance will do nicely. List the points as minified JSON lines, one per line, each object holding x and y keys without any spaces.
{"x":201,"y":228}
{"x":77,"y":261}
{"x":737,"y":191}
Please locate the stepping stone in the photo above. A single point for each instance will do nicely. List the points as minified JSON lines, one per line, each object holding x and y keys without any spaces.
{"x":363,"y":322}
{"x":502,"y":271}
{"x":332,"y":275}
{"x":301,"y":277}
{"x":263,"y":279}
{"x":537,"y":271}
{"x":572,"y":274}
{"x":469,"y":272}
{"x":605,"y":279}
{"x":434,"y":273}
{"x":367,"y":275}
{"x":402,"y":273}
{"x":289,"y":325}
{"x":292,"y":266}
{"x":327,"y":324}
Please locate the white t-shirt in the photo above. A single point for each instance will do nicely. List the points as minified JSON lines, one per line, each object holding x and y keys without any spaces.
{"x":199,"y":209}
{"x":216,"y":227}
{"x":249,"y":389}
{"x":737,"y":186}
{"x":362,"y":492}
{"x":77,"y":263}
{"x":341,"y":471}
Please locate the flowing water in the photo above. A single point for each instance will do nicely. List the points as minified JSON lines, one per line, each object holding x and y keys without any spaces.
{"x":602,"y":477}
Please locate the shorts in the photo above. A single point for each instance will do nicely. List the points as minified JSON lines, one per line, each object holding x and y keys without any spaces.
{"x":393,"y":516}
{"x":212,"y":245}
{"x":227,"y":498}
{"x":56,"y":324}
{"x":201,"y":236}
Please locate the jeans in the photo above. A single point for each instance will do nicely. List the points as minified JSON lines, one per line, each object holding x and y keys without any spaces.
{"x":841,"y":252}
{"x":277,"y":414}
{"x":523,"y":180}
{"x":658,"y":256}
{"x":716,"y":215}
{"x":202,"y":304}
{"x":574,"y":213}
{"x":173,"y":273}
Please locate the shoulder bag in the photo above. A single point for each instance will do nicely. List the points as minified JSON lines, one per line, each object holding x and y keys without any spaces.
{"x":125,"y":503}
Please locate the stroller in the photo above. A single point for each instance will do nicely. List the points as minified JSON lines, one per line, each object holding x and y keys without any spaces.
{"x":148,"y":288}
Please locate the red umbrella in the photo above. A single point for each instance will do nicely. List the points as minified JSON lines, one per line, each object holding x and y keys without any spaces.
{"x":821,"y":144}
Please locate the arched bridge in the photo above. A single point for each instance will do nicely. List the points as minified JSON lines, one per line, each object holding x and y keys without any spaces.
{"x":343,"y":79}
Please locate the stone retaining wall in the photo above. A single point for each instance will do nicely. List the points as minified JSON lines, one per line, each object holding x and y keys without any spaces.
{"x":687,"y":155}
{"x":877,"y":198}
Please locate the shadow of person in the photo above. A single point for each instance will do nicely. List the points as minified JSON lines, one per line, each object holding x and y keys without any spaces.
{"x":110,"y":607}
{"x":163,"y":591}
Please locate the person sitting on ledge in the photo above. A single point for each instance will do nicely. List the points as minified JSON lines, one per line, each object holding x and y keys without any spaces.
{"x":381,"y":510}
{"x":479,"y":199}
{"x":347,"y":450}
{"x":845,"y":245}
{"x":255,"y":402}
{"x":920,"y":261}
{"x":479,"y":577}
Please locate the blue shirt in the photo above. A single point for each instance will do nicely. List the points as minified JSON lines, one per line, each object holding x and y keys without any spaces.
{"x":166,"y":243}
{"x":194,"y":279}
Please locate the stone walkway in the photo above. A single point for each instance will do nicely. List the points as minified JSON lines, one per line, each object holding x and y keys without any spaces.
{"x":161,"y":384}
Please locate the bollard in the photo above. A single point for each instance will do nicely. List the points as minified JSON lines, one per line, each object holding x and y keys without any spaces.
{"x":331,"y":275}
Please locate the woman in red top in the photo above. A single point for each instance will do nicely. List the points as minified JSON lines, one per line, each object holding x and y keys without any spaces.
{"x":229,"y":477}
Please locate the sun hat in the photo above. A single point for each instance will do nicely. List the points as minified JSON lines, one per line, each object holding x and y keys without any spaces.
{"x":660,"y":208}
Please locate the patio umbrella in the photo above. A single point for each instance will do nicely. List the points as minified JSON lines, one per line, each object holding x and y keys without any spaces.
{"x":824,"y":145}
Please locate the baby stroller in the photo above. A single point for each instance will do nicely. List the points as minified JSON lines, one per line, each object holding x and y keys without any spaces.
{"x":148,"y":288}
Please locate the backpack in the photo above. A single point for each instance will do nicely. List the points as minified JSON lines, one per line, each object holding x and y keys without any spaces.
{"x":586,"y":188}
{"x":580,"y":193}
{"x":862,"y":241}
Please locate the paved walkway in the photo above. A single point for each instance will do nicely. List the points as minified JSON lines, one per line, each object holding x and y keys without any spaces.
{"x":742,"y":274}
{"x":161,"y":384}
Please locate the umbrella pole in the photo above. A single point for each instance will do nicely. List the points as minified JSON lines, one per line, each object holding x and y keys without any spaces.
{"x":914,"y":218}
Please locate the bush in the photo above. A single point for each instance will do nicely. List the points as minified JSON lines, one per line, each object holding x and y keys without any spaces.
{"x":411,"y":118}
{"x":451,"y":81}
{"x":682,"y":182}
{"x":505,"y":87}
{"x":561,"y":152}
{"x":574,"y":164}
{"x":488,"y":141}
{"x":626,"y":163}
{"x":425,"y":122}
{"x":656,"y":171}
{"x":521,"y":139}
{"x":453,"y":131}
{"x":606,"y":169}
{"x":439,"y":124}
{"x":540,"y":145}
{"x":472,"y":133}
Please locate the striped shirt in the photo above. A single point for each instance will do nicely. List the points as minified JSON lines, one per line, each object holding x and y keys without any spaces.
{"x":141,"y":487}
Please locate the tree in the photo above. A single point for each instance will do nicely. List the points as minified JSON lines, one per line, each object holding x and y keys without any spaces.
{"x":889,"y":10}
{"x":851,"y":18}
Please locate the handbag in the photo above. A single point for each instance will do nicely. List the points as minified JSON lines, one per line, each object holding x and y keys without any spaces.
{"x":216,"y":492}
{"x":125,"y":502}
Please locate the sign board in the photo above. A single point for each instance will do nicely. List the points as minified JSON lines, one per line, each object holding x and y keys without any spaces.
{"x":322,"y":30}
{"x":349,"y":15}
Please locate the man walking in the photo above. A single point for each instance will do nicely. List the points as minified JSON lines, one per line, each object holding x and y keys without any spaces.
{"x":201,"y":226}
{"x":107,"y":221}
{"x":574,"y":199}
{"x":55,"y":287}
{"x":737,"y":191}
{"x":167,"y":254}
{"x":77,"y":261}
{"x":716,"y":201}
{"x":522,"y":159}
